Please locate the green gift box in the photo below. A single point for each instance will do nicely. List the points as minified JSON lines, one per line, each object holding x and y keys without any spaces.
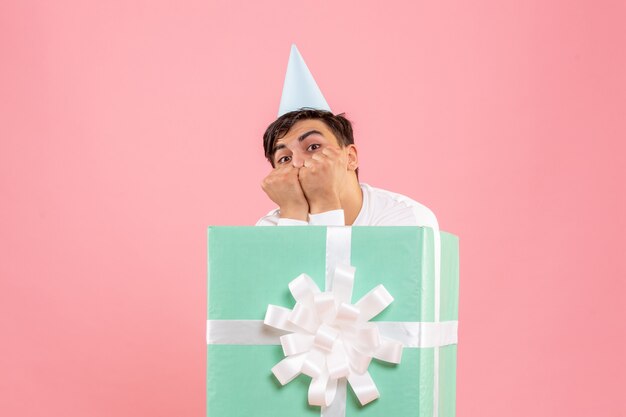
{"x":251,"y":267}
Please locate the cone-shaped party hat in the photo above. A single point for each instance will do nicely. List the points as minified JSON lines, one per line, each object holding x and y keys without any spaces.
{"x":300,"y":89}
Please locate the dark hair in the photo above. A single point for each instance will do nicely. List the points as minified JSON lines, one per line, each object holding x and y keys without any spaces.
{"x":338,"y":124}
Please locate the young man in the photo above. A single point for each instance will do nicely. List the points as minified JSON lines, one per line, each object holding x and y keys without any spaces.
{"x":314,"y":179}
{"x":315,"y":163}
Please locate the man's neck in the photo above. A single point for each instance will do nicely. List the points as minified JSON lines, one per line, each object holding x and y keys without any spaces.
{"x":351,"y":200}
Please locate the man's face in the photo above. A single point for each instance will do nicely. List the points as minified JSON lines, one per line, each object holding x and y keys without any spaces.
{"x":305,"y":138}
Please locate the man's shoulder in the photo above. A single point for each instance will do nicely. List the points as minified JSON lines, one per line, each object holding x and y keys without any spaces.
{"x":391,"y":208}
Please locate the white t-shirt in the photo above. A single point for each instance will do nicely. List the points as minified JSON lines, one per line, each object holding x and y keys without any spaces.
{"x":380,"y":208}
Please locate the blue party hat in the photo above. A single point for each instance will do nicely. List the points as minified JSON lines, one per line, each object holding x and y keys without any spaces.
{"x":300,"y":89}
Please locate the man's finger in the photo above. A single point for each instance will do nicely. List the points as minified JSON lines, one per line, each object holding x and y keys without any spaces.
{"x":319,"y":157}
{"x":331,"y":151}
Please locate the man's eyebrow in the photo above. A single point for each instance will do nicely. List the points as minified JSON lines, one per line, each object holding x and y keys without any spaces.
{"x":278,"y":147}
{"x":310,"y":132}
{"x":300,"y":139}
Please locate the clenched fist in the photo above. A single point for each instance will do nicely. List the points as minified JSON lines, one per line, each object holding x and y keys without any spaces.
{"x":283,"y":188}
{"x":322,"y":177}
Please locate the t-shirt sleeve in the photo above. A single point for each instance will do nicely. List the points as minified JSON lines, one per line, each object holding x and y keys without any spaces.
{"x":328,"y":218}
{"x":291,"y":222}
{"x":273,"y":219}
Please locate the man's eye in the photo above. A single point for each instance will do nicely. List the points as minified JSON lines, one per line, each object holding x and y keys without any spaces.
{"x":314,"y":146}
{"x":284,"y":159}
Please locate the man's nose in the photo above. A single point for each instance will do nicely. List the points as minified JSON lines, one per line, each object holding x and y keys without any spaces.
{"x":298,"y":159}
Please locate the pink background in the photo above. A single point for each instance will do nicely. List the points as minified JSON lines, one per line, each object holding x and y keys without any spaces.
{"x":126,"y":128}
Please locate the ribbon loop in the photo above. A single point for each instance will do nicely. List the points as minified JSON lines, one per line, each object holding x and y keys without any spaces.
{"x":389,"y":351}
{"x":289,"y":368}
{"x":322,"y":390}
{"x":278,"y":317}
{"x":304,"y":318}
{"x":374,"y":302}
{"x":294,"y":343}
{"x":364,"y":387}
{"x":368,"y":338}
{"x":337,"y":362}
{"x":314,"y":363}
{"x":325,"y":337}
{"x":359,"y":361}
{"x":303,"y":288}
{"x":347,"y":313}
{"x":342,"y":283}
{"x":325,"y":306}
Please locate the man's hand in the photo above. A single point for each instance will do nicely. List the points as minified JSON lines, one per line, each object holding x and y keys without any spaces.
{"x":283,"y":188}
{"x":322,"y":177}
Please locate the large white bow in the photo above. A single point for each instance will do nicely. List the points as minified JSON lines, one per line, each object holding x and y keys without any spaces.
{"x":332,"y":338}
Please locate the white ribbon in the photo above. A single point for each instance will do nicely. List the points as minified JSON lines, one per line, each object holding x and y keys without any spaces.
{"x":331,"y":338}
{"x":411,"y":334}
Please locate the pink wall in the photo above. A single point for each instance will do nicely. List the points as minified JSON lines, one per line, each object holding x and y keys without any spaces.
{"x":127,"y":127}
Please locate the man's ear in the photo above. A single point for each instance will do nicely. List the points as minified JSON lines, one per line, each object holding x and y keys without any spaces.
{"x":353,"y":158}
